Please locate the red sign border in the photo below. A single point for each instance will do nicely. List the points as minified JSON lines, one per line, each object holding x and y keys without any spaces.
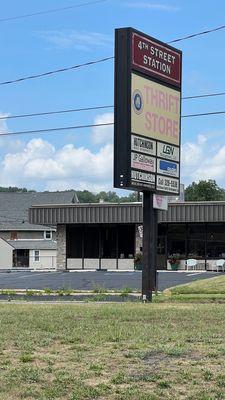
{"x":150,"y":72}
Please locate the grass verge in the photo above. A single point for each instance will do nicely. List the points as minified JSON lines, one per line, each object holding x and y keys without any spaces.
{"x":112,"y":351}
{"x":205,"y":290}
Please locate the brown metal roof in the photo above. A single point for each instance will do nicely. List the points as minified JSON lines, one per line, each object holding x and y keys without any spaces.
{"x":100,"y":213}
{"x":124,"y":213}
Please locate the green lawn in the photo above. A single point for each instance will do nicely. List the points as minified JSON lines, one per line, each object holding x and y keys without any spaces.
{"x":201,"y":291}
{"x":112,"y":351}
{"x":214,"y":285}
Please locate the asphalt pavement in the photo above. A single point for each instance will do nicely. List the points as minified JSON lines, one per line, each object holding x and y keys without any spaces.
{"x":89,"y":280}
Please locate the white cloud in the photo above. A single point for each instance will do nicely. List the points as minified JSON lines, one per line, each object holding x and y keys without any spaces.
{"x":192,"y":153}
{"x":77,"y":40}
{"x":103,"y":134}
{"x":8,"y":142}
{"x":202,"y":160}
{"x":40,"y":164}
{"x":152,"y":6}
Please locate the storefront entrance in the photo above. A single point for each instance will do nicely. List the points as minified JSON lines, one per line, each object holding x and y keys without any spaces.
{"x":100,"y":246}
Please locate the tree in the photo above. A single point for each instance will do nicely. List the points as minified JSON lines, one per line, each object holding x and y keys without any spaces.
{"x":15,"y":189}
{"x":204,"y":191}
{"x":84,"y":196}
{"x":108,"y":197}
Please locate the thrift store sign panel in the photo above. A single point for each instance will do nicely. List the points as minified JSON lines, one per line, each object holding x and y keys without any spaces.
{"x":147,"y":114}
{"x":155,"y":110}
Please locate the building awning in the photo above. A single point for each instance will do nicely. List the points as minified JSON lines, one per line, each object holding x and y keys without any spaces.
{"x":125,"y":213}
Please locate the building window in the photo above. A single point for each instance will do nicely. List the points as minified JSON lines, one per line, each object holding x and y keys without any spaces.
{"x":36,"y":255}
{"x":215,"y":240}
{"x":196,"y":241}
{"x":91,"y":242}
{"x":109,"y":242}
{"x":74,"y":235}
{"x":126,"y":241}
{"x":176,"y":239}
{"x":48,"y":235}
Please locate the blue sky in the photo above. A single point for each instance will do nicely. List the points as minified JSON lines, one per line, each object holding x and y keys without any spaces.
{"x":82,"y":159}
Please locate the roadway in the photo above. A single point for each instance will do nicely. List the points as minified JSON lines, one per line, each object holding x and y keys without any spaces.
{"x":89,"y":280}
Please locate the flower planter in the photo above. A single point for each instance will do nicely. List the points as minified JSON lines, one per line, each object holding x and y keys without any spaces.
{"x":138,"y":267}
{"x":174,"y":267}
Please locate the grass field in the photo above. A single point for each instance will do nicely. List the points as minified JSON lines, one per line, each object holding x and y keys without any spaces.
{"x":215,"y":285}
{"x":112,"y":351}
{"x":204,"y":291}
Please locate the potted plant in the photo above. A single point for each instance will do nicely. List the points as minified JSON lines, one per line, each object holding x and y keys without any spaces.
{"x":138,"y":259}
{"x":174,"y":261}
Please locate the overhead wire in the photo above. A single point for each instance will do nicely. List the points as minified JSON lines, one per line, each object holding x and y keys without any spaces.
{"x":72,"y":110}
{"x":65,"y":128}
{"x":56,"y":71}
{"x":100,"y":60}
{"x":218,"y":28}
{"x":53,"y":10}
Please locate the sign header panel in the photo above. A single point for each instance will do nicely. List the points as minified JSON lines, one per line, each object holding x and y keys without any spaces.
{"x":155,"y":110}
{"x":155,"y":59}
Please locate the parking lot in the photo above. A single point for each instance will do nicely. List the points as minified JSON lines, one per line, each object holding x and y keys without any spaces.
{"x":88,"y":280}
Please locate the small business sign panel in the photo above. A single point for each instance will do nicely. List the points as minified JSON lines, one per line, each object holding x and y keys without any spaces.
{"x":166,"y":184}
{"x":167,"y":168}
{"x":147,"y":113}
{"x":160,"y":202}
{"x":168,"y":152}
{"x":143,"y":145}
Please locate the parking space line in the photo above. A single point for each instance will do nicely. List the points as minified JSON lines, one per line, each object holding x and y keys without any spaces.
{"x":195,"y":273}
{"x":30,"y":276}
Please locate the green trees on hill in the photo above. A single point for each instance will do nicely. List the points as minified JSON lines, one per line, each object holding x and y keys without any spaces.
{"x":201,"y":191}
{"x":204,"y":191}
{"x":15,"y":189}
{"x":85,"y":196}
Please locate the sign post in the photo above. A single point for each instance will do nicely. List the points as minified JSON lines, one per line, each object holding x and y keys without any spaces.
{"x":149,"y":247}
{"x":147,"y":129}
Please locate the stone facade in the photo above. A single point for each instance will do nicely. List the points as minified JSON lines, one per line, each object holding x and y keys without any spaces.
{"x":61,"y":245}
{"x":138,"y":238}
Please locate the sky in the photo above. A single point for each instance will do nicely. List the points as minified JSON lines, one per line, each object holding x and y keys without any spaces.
{"x":83,"y":158}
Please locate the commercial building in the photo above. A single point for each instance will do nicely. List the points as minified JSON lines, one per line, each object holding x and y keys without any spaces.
{"x":95,"y":236}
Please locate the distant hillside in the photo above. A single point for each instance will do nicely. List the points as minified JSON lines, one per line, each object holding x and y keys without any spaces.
{"x":15,"y":189}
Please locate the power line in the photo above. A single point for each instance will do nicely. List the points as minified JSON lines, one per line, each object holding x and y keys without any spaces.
{"x":56,"y":71}
{"x":65,"y":128}
{"x":198,"y":34}
{"x":203,"y":114}
{"x":55,"y":112}
{"x":203,"y":95}
{"x":71,"y":110}
{"x":51,"y":11}
{"x":100,"y":60}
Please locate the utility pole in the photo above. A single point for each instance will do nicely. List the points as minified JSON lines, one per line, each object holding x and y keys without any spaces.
{"x":149,"y":246}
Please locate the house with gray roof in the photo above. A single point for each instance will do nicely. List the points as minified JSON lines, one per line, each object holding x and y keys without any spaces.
{"x":28,"y":245}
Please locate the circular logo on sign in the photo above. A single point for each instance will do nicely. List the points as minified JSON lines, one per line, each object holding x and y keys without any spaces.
{"x":137,"y":102}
